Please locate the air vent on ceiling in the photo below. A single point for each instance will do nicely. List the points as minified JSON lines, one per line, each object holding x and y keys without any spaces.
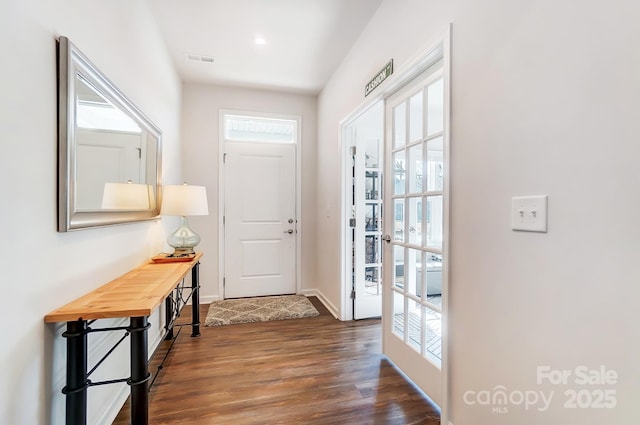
{"x":199,"y":58}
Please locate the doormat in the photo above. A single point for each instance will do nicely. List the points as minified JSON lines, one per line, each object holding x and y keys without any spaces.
{"x":259,"y":309}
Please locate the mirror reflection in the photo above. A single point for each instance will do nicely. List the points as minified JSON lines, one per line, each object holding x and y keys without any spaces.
{"x":115,"y":156}
{"x":109,"y":152}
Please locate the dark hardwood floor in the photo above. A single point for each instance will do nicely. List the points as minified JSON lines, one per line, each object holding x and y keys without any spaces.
{"x":303,"y":371}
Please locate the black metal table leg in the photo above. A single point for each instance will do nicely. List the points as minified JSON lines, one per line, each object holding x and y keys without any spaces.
{"x":195,"y":300}
{"x":140,"y":376}
{"x":168,"y":316}
{"x":77,"y":383}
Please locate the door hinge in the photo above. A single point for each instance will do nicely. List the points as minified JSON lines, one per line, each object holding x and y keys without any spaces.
{"x":224,"y":158}
{"x":224,"y":282}
{"x":353,"y":294}
{"x":224,"y":219}
{"x":352,"y":222}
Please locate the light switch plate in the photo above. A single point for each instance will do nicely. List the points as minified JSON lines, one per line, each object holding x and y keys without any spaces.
{"x":529,"y":213}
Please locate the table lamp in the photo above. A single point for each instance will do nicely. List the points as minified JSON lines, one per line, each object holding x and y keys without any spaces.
{"x":184,"y":200}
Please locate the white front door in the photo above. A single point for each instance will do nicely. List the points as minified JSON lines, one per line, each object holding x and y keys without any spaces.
{"x":415,"y":199}
{"x":259,"y":219}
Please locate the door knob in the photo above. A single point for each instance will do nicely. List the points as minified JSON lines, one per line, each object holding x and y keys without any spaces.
{"x":290,"y":231}
{"x":386,"y":238}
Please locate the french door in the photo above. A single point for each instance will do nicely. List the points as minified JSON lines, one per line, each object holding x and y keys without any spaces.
{"x":414,"y":222}
{"x":367,"y":230}
{"x":364,"y":200}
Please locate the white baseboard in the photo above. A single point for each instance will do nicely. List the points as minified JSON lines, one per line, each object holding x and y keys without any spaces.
{"x":316,"y":293}
{"x":111,"y":412}
{"x":209,"y":299}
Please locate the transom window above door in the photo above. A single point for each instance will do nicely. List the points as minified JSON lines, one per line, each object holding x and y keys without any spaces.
{"x":242,"y":128}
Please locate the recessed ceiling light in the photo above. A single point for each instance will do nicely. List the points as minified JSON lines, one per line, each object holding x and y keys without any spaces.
{"x":199,"y":58}
{"x":260,"y":40}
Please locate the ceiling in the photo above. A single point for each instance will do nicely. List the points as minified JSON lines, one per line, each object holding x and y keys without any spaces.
{"x":305,"y":40}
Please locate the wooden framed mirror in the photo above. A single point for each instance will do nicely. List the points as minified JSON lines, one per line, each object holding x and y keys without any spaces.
{"x":109,"y":152}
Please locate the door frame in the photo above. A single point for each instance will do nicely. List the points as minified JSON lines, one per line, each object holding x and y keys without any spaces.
{"x":438,"y":47}
{"x":221,"y":191}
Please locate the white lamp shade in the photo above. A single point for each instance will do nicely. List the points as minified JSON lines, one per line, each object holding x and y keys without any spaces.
{"x":184,"y":200}
{"x":127,"y":196}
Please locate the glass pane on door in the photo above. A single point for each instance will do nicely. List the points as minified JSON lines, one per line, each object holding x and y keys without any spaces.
{"x":399,"y":125}
{"x":371,"y":217}
{"x":415,"y":117}
{"x":416,"y":174}
{"x":435,"y":165}
{"x":399,"y":172}
{"x":399,"y":316}
{"x":413,"y":276}
{"x":372,"y":278}
{"x":372,"y":185}
{"x":434,"y":222}
{"x":372,"y":249}
{"x":433,"y":334}
{"x":434,"y":278}
{"x":398,"y":227}
{"x":372,"y":153}
{"x":415,"y":220}
{"x":414,"y":325}
{"x":398,"y":268}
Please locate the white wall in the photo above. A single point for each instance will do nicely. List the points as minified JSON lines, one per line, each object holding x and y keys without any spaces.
{"x":43,"y":269}
{"x":200,"y":133}
{"x":544,"y":101}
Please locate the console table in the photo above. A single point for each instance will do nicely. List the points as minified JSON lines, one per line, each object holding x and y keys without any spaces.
{"x":134,"y":295}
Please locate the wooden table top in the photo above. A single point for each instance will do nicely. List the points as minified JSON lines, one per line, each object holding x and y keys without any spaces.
{"x":136,"y":293}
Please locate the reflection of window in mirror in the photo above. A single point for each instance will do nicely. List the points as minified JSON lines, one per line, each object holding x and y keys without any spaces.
{"x":95,"y":112}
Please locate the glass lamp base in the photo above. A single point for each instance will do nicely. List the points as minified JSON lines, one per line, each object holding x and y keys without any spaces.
{"x":182,"y":252}
{"x":183,"y":240}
